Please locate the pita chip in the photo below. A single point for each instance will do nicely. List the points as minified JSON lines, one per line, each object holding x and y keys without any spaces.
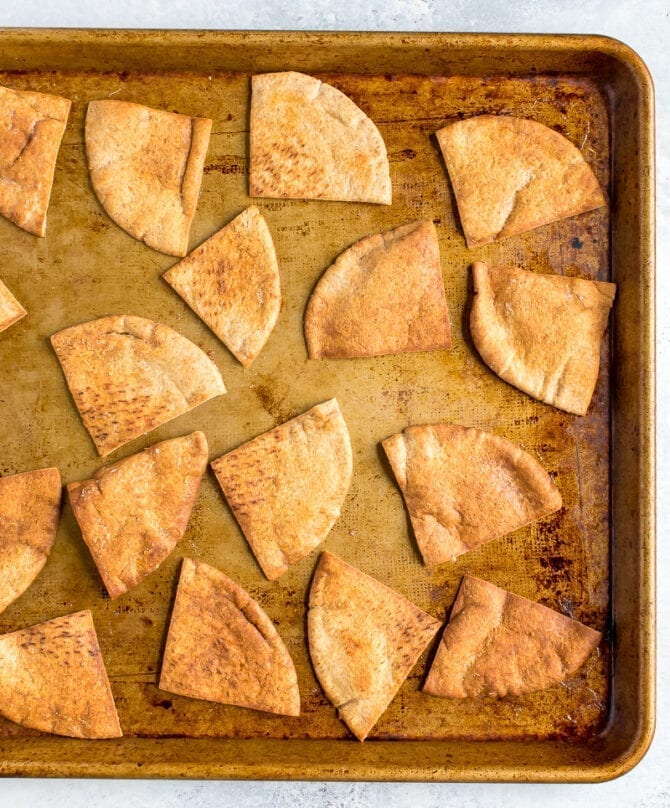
{"x":500,"y":644}
{"x":286,"y":487}
{"x":310,"y":141}
{"x":133,"y":513}
{"x":232,"y":283}
{"x":31,"y":129}
{"x":221,"y":646}
{"x":128,"y":375}
{"x":541,"y":333}
{"x":463,"y":487}
{"x":53,"y":679}
{"x":146,"y":169}
{"x":11,"y":311}
{"x":364,"y":639}
{"x":510,"y":175}
{"x":384,"y":295}
{"x":29,"y":513}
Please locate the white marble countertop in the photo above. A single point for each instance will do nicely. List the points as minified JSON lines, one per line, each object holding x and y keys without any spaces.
{"x":645,"y":26}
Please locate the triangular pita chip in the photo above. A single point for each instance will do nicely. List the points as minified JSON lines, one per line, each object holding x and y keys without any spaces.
{"x":310,"y":141}
{"x":31,"y":129}
{"x":510,"y":175}
{"x":500,"y":644}
{"x":541,"y":333}
{"x":11,"y":311}
{"x":53,"y":679}
{"x":133,"y":513}
{"x":146,"y":169}
{"x":128,"y":375}
{"x":232,"y":282}
{"x":364,"y":639}
{"x":384,"y":295}
{"x":221,"y":646}
{"x":286,"y":487}
{"x":463,"y":487}
{"x":29,"y":512}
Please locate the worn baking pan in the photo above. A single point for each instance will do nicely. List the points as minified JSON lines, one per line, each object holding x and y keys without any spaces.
{"x":593,"y":560}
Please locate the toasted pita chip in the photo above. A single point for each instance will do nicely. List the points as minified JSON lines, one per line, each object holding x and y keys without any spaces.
{"x":364,"y":639}
{"x":286,"y":487}
{"x":221,"y":646}
{"x":463,"y":487}
{"x":310,"y":141}
{"x":232,"y":282}
{"x":384,"y":295}
{"x":11,"y":311}
{"x":133,"y":513}
{"x":29,"y":512}
{"x":128,"y":375}
{"x":53,"y":679}
{"x":541,"y":333}
{"x":510,"y":175}
{"x":31,"y":129}
{"x":500,"y":644}
{"x":146,"y":169}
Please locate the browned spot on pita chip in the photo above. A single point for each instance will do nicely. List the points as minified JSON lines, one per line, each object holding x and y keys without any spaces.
{"x":500,"y":644}
{"x":463,"y":487}
{"x":384,"y":295}
{"x":11,"y":311}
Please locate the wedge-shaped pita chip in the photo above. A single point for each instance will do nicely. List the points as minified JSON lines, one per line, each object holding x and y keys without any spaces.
{"x":53,"y":679}
{"x":510,"y":175}
{"x":463,"y":487}
{"x":133,"y":513}
{"x":384,"y":295}
{"x":232,"y":283}
{"x":31,"y":129}
{"x":11,"y":311}
{"x":541,"y":333}
{"x":221,"y":646}
{"x":286,"y":487}
{"x":128,"y":375}
{"x":310,"y":141}
{"x":146,"y":169}
{"x":500,"y":644}
{"x":364,"y":639}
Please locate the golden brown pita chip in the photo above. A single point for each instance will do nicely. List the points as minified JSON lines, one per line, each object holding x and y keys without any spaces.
{"x":128,"y":375}
{"x":310,"y":141}
{"x":29,"y":512}
{"x":146,"y":168}
{"x":364,"y":639}
{"x":232,"y":282}
{"x":286,"y":487}
{"x":384,"y":295}
{"x":541,"y":333}
{"x":31,"y":129}
{"x":133,"y":513}
{"x":500,"y":644}
{"x":53,"y":679}
{"x":221,"y":646}
{"x":11,"y":311}
{"x":510,"y":175}
{"x":463,"y":487}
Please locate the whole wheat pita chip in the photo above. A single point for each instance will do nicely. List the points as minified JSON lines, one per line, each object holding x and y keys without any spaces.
{"x":11,"y":311}
{"x":53,"y":679}
{"x":510,"y":175}
{"x":541,"y":333}
{"x":364,"y":639}
{"x":286,"y":487}
{"x":384,"y":295}
{"x":133,"y":513}
{"x":463,"y":487}
{"x":221,"y":646}
{"x":232,"y":283}
{"x":31,"y":129}
{"x":128,"y":375}
{"x":29,"y":512}
{"x":500,"y":644}
{"x":310,"y":141}
{"x":146,"y":169}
